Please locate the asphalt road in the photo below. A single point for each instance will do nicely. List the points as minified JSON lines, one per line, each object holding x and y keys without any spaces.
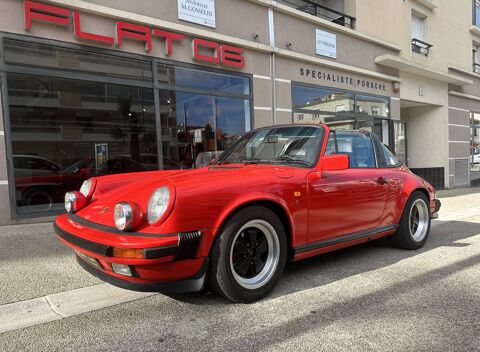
{"x":370,"y":297}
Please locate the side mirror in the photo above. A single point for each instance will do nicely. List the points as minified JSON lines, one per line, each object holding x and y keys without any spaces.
{"x":334,"y":162}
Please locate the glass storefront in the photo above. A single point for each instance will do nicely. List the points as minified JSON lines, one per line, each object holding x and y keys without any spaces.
{"x":342,"y":109}
{"x":74,"y":114}
{"x":475,"y":148}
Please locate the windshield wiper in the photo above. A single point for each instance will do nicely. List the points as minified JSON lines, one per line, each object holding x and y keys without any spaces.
{"x":287,"y":159}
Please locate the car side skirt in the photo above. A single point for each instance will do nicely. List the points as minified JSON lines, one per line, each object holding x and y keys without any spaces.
{"x":331,"y":244}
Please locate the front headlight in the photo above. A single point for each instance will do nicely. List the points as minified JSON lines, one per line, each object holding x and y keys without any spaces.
{"x":158,"y":204}
{"x":74,"y":201}
{"x":123,"y":216}
{"x":87,"y":188}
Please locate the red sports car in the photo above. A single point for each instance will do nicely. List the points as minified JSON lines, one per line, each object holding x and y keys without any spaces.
{"x":279,"y":193}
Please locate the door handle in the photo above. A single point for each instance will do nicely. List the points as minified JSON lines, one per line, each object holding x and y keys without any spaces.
{"x":382,"y":180}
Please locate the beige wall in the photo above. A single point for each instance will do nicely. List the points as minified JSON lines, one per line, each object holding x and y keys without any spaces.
{"x":447,"y":28}
{"x":237,"y":18}
{"x":427,"y":136}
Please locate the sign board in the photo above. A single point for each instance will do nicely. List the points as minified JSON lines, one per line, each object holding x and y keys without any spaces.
{"x":326,"y":43}
{"x":197,"y":11}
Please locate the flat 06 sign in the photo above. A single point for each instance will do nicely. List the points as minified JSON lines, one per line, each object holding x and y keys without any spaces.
{"x":203,"y":50}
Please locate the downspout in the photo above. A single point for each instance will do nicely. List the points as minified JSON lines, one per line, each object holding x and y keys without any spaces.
{"x":271,"y":31}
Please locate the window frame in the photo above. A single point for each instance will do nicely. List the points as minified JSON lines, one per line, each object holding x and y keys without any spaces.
{"x":65,"y":74}
{"x":369,"y":136}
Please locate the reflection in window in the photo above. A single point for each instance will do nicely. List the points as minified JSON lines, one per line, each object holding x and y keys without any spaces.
{"x":197,"y":128}
{"x":46,"y":56}
{"x":206,"y":80}
{"x":372,"y":105}
{"x":320,"y":99}
{"x":65,"y":131}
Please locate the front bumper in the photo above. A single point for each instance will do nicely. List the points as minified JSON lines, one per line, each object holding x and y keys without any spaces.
{"x":435,"y":206}
{"x":193,"y":284}
{"x":172,"y":263}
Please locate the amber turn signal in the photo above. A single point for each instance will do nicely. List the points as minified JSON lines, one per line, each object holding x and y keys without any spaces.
{"x":128,"y":253}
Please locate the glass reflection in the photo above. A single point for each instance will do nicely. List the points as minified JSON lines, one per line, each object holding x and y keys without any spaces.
{"x":65,"y":131}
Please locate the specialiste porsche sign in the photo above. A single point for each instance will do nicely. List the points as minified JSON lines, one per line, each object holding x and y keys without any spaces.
{"x":203,"y":50}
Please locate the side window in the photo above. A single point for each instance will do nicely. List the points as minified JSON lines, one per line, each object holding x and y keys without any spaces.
{"x":359,"y":148}
{"x":331,"y":147}
{"x":387,"y":158}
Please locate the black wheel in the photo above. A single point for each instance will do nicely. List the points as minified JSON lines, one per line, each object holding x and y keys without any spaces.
{"x":414,"y":223}
{"x":248,"y":255}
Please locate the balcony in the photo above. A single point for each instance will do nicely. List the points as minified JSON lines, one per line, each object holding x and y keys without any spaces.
{"x":317,"y":8}
{"x":420,"y":47}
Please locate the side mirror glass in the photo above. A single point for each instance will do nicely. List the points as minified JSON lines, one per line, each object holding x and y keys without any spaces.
{"x":335,"y":162}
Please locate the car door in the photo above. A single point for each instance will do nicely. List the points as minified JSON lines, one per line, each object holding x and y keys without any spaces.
{"x":348,"y":201}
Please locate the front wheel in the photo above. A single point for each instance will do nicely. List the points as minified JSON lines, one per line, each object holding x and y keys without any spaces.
{"x":248,"y":255}
{"x":414,"y":226}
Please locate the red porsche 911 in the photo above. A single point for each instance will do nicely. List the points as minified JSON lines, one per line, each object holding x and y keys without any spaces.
{"x":278,"y":194}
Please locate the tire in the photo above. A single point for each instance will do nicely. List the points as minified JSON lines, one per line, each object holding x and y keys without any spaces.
{"x":414,"y":224}
{"x":248,"y":255}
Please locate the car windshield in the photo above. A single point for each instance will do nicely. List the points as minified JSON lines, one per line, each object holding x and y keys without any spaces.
{"x":293,"y":145}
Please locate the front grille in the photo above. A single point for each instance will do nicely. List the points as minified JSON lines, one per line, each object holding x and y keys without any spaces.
{"x":188,"y":244}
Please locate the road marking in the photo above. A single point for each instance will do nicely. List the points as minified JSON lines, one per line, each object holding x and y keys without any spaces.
{"x":62,"y":305}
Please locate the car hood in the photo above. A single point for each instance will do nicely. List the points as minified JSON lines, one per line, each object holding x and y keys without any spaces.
{"x":213,"y":180}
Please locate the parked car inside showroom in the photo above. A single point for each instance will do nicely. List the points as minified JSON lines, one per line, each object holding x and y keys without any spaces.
{"x":278,"y":194}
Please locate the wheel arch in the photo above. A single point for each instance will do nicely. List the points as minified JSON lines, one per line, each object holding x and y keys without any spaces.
{"x":276,"y":206}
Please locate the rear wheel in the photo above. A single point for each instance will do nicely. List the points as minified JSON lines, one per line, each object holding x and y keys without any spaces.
{"x":414,"y":224}
{"x":248,"y":255}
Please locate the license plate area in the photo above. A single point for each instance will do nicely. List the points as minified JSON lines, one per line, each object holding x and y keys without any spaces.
{"x":92,"y":261}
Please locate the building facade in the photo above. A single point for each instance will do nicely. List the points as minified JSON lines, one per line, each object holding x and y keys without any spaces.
{"x":90,"y":88}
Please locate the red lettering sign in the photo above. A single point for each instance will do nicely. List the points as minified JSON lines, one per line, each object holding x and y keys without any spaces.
{"x":133,"y":31}
{"x":77,"y":30}
{"x":203,"y":50}
{"x":169,"y":38}
{"x":45,"y":13}
{"x":232,"y":56}
{"x":198,"y":43}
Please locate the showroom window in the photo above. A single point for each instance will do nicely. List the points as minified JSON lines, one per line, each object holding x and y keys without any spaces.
{"x":74,"y":114}
{"x":358,"y":111}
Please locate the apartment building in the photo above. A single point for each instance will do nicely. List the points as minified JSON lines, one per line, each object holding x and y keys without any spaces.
{"x":100,"y":87}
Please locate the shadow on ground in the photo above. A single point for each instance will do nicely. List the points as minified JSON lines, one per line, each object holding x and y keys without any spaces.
{"x":330,"y":267}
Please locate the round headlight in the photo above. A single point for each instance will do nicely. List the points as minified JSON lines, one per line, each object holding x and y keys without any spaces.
{"x":74,"y":201}
{"x":123,"y":215}
{"x":87,"y":188}
{"x":128,"y":216}
{"x":158,"y":204}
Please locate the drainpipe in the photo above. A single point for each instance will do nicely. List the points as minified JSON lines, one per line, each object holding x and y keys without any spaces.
{"x":271,"y":31}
